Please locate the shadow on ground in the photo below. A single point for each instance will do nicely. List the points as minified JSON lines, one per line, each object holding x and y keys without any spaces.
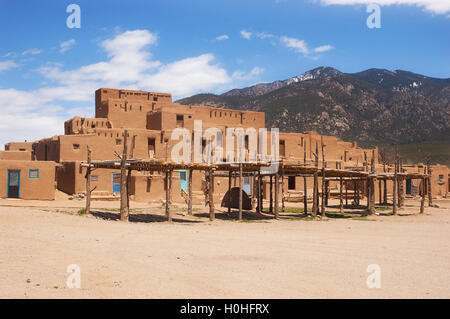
{"x":140,"y":217}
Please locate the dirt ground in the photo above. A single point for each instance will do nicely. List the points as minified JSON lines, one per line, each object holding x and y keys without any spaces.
{"x":294,"y":257}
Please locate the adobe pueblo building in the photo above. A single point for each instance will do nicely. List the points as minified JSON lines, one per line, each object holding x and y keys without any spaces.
{"x":32,"y":170}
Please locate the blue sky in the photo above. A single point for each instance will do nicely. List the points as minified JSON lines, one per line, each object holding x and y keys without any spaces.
{"x":48,"y":72}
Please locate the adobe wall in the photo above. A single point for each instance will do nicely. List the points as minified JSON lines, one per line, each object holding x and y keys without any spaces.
{"x":41,"y":188}
{"x":19,"y":146}
{"x":15,"y":155}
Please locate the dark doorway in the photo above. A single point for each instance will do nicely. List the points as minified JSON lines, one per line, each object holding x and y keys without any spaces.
{"x":151,"y":147}
{"x":13,"y":184}
{"x":408,"y":186}
{"x":291,"y":182}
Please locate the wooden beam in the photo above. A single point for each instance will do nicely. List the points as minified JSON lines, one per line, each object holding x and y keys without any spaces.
{"x":123,"y":181}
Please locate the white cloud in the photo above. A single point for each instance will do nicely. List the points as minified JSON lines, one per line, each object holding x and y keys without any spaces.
{"x":296,"y":44}
{"x":242,"y":76}
{"x":187,"y":76}
{"x":301,"y":46}
{"x":434,"y":6}
{"x":323,"y":48}
{"x":32,"y":51}
{"x":66,"y":45}
{"x":264,"y":35}
{"x":246,"y":35}
{"x":222,"y":37}
{"x":38,"y":113}
{"x":6,"y":65}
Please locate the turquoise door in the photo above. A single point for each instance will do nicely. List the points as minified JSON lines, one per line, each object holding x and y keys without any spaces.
{"x":13,"y":186}
{"x":183,"y":180}
{"x":116,"y":183}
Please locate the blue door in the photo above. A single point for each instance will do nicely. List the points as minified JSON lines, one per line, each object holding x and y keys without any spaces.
{"x":183,"y":180}
{"x":408,"y":186}
{"x":116,"y":183}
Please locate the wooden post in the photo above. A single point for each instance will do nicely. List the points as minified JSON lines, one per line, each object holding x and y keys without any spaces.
{"x":341,"y":201}
{"x":380,"y":201}
{"x":260,"y":192}
{"x":354,"y":191}
{"x":88,"y":182}
{"x":211,"y":195}
{"x":394,"y":188}
{"x":422,"y":199}
{"x":123,"y":181}
{"x":168,"y":181}
{"x":316,"y":183}
{"x":401,"y":198}
{"x":384,"y":185}
{"x":371,"y":198}
{"x":315,"y":194}
{"x":305,"y":186}
{"x":346,"y":196}
{"x":133,"y":140}
{"x":430,"y":194}
{"x":371,"y":186}
{"x":240,"y":190}
{"x":323,"y":177}
{"x":254,"y":190}
{"x":229,"y":191}
{"x":271,"y":194}
{"x":282,"y":190}
{"x":305,"y":197}
{"x":190,"y":171}
{"x":277,"y":193}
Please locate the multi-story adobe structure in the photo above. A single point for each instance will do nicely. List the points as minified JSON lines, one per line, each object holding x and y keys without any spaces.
{"x":149,"y":119}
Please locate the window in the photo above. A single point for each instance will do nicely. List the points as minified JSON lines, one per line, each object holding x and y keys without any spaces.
{"x":180,"y":120}
{"x":76,"y":146}
{"x":291,"y":182}
{"x":22,"y":149}
{"x":33,"y":173}
{"x":441,"y":176}
{"x":282,"y":148}
{"x":155,"y":99}
{"x":118,"y":141}
{"x":94,"y":178}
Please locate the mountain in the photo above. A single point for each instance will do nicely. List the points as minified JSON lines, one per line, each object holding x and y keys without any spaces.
{"x":373,"y":107}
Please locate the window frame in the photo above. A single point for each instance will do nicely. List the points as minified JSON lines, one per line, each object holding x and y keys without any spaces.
{"x":33,"y":170}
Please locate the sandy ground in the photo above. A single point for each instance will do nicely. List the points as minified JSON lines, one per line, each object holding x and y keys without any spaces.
{"x":193,"y":258}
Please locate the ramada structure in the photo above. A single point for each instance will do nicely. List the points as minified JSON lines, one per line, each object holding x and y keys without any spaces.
{"x":131,"y":135}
